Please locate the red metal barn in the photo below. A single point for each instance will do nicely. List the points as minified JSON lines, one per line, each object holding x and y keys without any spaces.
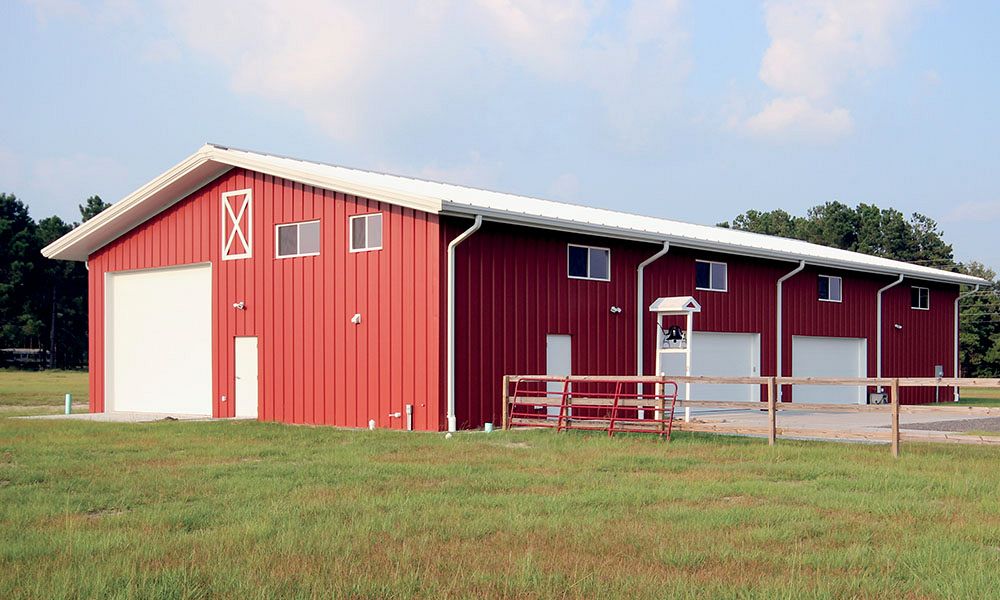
{"x":253,"y":285}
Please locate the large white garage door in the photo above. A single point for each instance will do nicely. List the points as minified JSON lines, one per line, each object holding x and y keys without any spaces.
{"x":159,"y":341}
{"x":828,"y":357}
{"x":723,"y":355}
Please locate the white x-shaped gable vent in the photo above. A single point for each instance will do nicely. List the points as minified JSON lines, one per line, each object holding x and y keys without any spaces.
{"x":237,"y":224}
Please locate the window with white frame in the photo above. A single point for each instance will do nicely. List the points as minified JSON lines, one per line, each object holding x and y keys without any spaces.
{"x":297,"y":239}
{"x":711,"y":276}
{"x":237,"y":224}
{"x":920,"y":298}
{"x":830,"y":288}
{"x":366,"y":232}
{"x":588,"y":262}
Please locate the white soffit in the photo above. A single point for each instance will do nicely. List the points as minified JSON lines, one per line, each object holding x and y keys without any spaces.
{"x":212,"y":160}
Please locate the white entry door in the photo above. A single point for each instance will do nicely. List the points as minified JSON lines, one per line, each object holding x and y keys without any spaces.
{"x":828,"y":357}
{"x":721,"y":355}
{"x":245,"y":356}
{"x":558,"y":361}
{"x":158,"y":354}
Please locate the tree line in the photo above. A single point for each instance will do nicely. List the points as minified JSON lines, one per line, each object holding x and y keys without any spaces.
{"x":43,"y":303}
{"x":888,"y":233}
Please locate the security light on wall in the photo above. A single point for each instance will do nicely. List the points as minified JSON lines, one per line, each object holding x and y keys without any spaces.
{"x":898,"y":326}
{"x":356,"y":319}
{"x":616,"y":309}
{"x":241,"y":305}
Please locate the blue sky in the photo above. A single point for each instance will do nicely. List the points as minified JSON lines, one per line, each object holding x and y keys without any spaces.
{"x":689,"y":110}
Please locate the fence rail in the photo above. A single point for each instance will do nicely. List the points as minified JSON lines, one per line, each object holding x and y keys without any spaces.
{"x":773,"y":406}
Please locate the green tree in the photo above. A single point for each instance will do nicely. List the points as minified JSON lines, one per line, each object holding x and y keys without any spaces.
{"x":980,"y":327}
{"x":92,"y":207}
{"x":18,"y":260}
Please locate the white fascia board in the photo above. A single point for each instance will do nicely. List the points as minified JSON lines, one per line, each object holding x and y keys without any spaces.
{"x":513,"y":218}
{"x":74,"y":246}
{"x":334,"y":184}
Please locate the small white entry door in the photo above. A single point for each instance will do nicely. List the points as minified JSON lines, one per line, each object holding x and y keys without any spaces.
{"x":245,"y":353}
{"x":558,"y":361}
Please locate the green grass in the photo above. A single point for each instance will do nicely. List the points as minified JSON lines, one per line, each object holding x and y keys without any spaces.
{"x":258,"y":510}
{"x":39,"y":392}
{"x":980,"y":396}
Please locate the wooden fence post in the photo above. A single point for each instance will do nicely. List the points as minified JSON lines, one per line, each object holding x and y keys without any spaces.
{"x":895,"y":417}
{"x":506,"y":401}
{"x":772,"y":429}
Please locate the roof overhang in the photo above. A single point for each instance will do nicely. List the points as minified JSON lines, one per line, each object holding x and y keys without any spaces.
{"x":188,"y":176}
{"x":677,"y":305}
{"x":211,"y":161}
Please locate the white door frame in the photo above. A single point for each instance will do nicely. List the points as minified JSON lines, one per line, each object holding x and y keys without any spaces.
{"x":246,"y":395}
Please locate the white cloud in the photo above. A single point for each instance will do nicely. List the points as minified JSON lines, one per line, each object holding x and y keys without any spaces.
{"x":976,"y":212}
{"x":353,"y":67}
{"x":817,"y":47}
{"x":798,"y":118}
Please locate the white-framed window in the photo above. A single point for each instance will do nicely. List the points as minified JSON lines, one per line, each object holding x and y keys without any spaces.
{"x":237,"y":224}
{"x":296,"y":239}
{"x":588,"y":262}
{"x":920,"y":298}
{"x":711,"y":276}
{"x":365,"y":232}
{"x":831,"y":288}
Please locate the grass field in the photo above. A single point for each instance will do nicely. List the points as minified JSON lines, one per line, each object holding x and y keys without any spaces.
{"x":29,"y":392}
{"x":981,"y":396}
{"x":256,"y":510}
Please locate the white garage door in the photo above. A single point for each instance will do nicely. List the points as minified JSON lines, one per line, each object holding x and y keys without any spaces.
{"x":159,"y":341}
{"x":828,"y":357}
{"x":723,"y":355}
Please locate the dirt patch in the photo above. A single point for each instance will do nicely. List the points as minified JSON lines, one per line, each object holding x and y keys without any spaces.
{"x":991,"y":424}
{"x":516,"y":445}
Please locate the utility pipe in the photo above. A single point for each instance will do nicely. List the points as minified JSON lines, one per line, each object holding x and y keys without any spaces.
{"x":778,"y":320}
{"x":452,"y":423}
{"x":878,"y":328}
{"x":641,"y":309}
{"x":957,"y":299}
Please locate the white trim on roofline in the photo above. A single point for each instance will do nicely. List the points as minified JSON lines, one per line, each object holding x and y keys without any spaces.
{"x":210,"y":161}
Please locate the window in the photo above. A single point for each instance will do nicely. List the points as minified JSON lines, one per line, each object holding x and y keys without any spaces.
{"x":920,"y":298}
{"x":297,"y":239}
{"x":237,"y":224}
{"x":588,"y":262}
{"x":366,"y":232}
{"x":830,"y":288}
{"x":711,"y":276}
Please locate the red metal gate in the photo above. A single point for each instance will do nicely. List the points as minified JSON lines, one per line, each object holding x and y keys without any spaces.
{"x":613,"y":407}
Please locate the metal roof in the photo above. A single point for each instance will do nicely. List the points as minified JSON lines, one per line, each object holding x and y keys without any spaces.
{"x":212,"y":160}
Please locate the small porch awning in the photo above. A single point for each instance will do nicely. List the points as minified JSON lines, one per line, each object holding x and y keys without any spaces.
{"x":677,"y":305}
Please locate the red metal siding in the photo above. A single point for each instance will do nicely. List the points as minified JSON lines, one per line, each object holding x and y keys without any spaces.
{"x":512,"y":291}
{"x":315,"y":366}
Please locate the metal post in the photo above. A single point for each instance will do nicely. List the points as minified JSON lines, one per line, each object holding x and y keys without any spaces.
{"x":69,"y":403}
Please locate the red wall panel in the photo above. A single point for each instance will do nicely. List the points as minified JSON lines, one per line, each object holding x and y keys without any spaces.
{"x":512,"y":291}
{"x":314,"y":365}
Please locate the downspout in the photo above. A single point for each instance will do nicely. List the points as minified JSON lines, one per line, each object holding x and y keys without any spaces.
{"x":778,"y":320}
{"x":640,"y":309}
{"x":452,"y":424}
{"x":957,"y":299}
{"x":878,"y":329}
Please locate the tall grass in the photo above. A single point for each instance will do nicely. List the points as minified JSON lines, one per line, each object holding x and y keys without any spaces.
{"x":254,"y":510}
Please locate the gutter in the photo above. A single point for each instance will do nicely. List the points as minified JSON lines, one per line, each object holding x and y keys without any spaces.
{"x":878,"y":328}
{"x":452,"y":422}
{"x":640,"y":312}
{"x":954,"y":373}
{"x":778,"y":320}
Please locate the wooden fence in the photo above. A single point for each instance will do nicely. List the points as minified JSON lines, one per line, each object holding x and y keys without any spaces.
{"x":773,"y":406}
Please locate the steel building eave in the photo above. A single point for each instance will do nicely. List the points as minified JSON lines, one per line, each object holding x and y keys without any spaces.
{"x":650,"y":237}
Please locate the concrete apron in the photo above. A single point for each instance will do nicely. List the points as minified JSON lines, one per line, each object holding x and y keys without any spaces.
{"x":122,"y":417}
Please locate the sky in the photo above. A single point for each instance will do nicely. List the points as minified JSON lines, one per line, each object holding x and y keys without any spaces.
{"x":690,"y":110}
